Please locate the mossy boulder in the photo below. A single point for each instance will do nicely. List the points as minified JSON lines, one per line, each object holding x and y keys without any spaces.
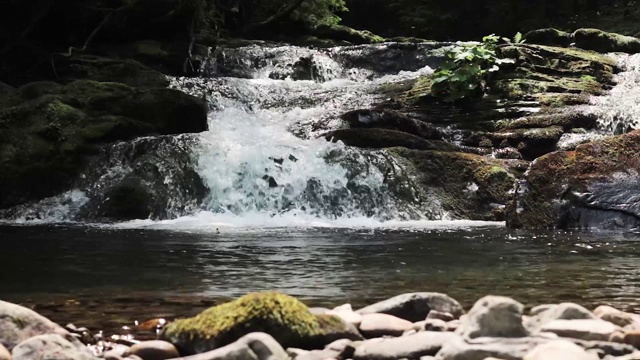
{"x":103,"y":69}
{"x":284,"y":317}
{"x":345,"y":33}
{"x":392,"y":120}
{"x":375,"y":138}
{"x":602,"y":41}
{"x":49,"y":129}
{"x":548,"y":36}
{"x":595,"y":186}
{"x":468,"y":186}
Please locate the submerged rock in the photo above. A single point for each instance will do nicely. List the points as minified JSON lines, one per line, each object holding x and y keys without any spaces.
{"x":595,"y":186}
{"x":415,"y":306}
{"x":283,"y":317}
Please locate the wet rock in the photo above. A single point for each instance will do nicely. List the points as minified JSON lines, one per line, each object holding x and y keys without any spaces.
{"x":154,"y":350}
{"x":383,"y":138}
{"x":567,"y":120}
{"x":530,"y":142}
{"x":605,"y":42}
{"x":541,"y":308}
{"x":4,"y":353}
{"x":549,"y":36}
{"x":407,"y":347}
{"x":344,"y":33}
{"x":560,"y":350}
{"x":393,"y":120}
{"x":444,"y":316}
{"x":415,"y":306}
{"x":50,"y":346}
{"x":480,"y":349}
{"x":18,"y":324}
{"x":604,"y":347}
{"x":494,"y":316}
{"x":594,"y":186}
{"x":378,"y":325}
{"x":632,"y":338}
{"x":617,"y":317}
{"x":617,"y":337}
{"x":283,"y":317}
{"x":581,"y":329}
{"x":254,"y":346}
{"x":270,"y":180}
{"x":435,"y":325}
{"x":564,"y":311}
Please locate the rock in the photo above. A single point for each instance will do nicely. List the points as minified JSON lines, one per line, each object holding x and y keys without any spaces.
{"x":378,"y":325}
{"x":18,"y":324}
{"x":453,"y":325}
{"x":347,"y":315}
{"x":480,"y":349}
{"x":54,"y":127}
{"x":283,"y":317}
{"x":467,"y":186}
{"x":154,"y":350}
{"x":4,"y":353}
{"x":344,"y":33}
{"x":594,"y":186}
{"x":615,"y":316}
{"x":560,"y":350}
{"x":567,"y":120}
{"x":415,"y":306}
{"x":48,"y":347}
{"x":540,"y":309}
{"x":549,"y":36}
{"x":374,"y":138}
{"x":530,"y":142}
{"x":617,"y":337}
{"x":494,"y":316}
{"x":254,"y":346}
{"x":435,"y":325}
{"x":604,"y":347}
{"x":581,"y":329}
{"x":601,"y":41}
{"x":444,"y":316}
{"x":392,"y":120}
{"x":564,"y":311}
{"x":407,"y":347}
{"x":632,"y":338}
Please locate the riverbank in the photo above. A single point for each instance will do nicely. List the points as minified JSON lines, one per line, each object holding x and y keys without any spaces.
{"x":274,"y":326}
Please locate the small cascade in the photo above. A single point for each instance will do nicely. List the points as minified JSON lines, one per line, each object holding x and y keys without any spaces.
{"x":619,"y":111}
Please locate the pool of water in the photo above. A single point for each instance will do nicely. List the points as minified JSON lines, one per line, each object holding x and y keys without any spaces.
{"x":106,"y":278}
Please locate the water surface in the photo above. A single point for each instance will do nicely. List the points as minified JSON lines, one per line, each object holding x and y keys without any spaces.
{"x":106,"y":278}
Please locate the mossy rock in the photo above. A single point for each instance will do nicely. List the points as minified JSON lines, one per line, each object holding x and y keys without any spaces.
{"x":284,"y":317}
{"x":602,"y":41}
{"x":345,"y":33}
{"x":594,"y":186}
{"x":468,"y":186}
{"x":374,"y":138}
{"x":548,"y":36}
{"x":104,"y":69}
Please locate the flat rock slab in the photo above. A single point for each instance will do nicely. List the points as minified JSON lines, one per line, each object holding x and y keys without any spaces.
{"x":582,"y":329}
{"x":426,"y":343}
{"x":560,"y":350}
{"x":415,"y":307}
{"x":482,"y":348}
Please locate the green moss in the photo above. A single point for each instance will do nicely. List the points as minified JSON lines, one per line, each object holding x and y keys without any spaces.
{"x":284,"y":317}
{"x":598,"y":40}
{"x":420,"y":90}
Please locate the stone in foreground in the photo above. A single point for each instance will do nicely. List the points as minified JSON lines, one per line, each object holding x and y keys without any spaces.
{"x":480,"y":349}
{"x":18,"y":324}
{"x":154,"y":350}
{"x":560,"y":350}
{"x":378,"y":325}
{"x":415,"y":307}
{"x":413,"y":346}
{"x":50,"y":347}
{"x":494,"y":316}
{"x":255,"y":346}
{"x":599,"y":330}
{"x":281,"y":316}
{"x":4,"y":353}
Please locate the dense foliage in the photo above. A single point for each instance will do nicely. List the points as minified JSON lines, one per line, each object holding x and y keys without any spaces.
{"x":464,"y":73}
{"x":468,"y":19}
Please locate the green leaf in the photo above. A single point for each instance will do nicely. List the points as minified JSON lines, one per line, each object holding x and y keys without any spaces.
{"x":518,"y":38}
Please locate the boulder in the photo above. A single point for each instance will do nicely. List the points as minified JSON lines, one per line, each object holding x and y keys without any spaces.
{"x":595,"y":186}
{"x":48,"y":347}
{"x":560,"y":350}
{"x":564,"y":311}
{"x":346,"y":313}
{"x":599,"y":330}
{"x":375,"y":138}
{"x":4,"y":353}
{"x":632,"y":338}
{"x":494,"y":316}
{"x":345,"y":33}
{"x":378,"y":325}
{"x":281,"y":316}
{"x":602,"y":41}
{"x":393,"y":120}
{"x":413,"y":346}
{"x":444,"y":316}
{"x":617,"y":317}
{"x":480,"y":349}
{"x":18,"y":324}
{"x":415,"y":306}
{"x":548,"y":36}
{"x":254,"y":346}
{"x":435,"y":325}
{"x":154,"y":350}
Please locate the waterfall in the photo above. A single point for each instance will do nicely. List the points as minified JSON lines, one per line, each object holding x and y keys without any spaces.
{"x":264,"y":160}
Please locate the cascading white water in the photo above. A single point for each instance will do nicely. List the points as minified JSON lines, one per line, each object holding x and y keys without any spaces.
{"x":619,"y":111}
